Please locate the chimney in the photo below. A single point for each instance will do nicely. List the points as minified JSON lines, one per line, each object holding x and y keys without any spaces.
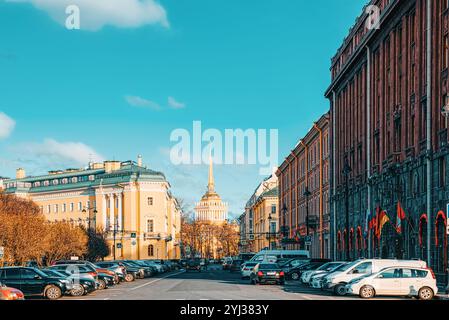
{"x":139,"y":160}
{"x":20,"y":173}
{"x":110,"y":166}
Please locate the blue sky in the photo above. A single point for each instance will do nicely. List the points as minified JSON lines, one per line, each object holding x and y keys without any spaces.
{"x":104,"y":90}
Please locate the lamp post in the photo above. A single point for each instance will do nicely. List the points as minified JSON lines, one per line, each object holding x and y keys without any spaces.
{"x":284,"y":213}
{"x":269,"y":230}
{"x":90,"y":219}
{"x":307,"y":195}
{"x":346,"y":172}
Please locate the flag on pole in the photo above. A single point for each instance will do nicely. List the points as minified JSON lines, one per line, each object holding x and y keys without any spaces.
{"x":367,"y":221}
{"x":383,"y":219}
{"x":400,"y":216}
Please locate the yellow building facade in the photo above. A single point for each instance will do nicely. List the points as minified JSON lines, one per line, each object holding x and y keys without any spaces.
{"x":266,"y":219}
{"x":130,"y":202}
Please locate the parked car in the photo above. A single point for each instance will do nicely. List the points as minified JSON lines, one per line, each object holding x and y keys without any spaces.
{"x":81,"y":285}
{"x":396,"y":281}
{"x":295,"y":273}
{"x":104,"y":280}
{"x":148,"y":271}
{"x":157,"y":266}
{"x":183,"y":263}
{"x":119,"y":270}
{"x":7,"y":293}
{"x":325,"y":268}
{"x":247,"y":268}
{"x":33,"y":282}
{"x":316,"y":281}
{"x":129,"y":265}
{"x":338,"y":279}
{"x":92,"y":265}
{"x":267,"y":273}
{"x":193,"y":264}
{"x":160,"y":262}
{"x":227,"y":263}
{"x":236,"y":265}
{"x":289,"y":264}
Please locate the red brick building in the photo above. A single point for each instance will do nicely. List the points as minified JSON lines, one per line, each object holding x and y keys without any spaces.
{"x":306,"y":168}
{"x":389,"y":86}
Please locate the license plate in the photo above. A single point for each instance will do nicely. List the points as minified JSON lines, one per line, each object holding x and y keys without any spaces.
{"x":271,"y":273}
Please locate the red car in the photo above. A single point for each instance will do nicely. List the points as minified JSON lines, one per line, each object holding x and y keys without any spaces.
{"x":10,"y":293}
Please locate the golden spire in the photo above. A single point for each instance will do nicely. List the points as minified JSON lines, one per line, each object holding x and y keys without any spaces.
{"x":211,"y":183}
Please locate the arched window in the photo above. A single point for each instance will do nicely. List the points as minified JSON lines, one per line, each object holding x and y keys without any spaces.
{"x":351,"y":239}
{"x":150,"y":250}
{"x":359,"y":239}
{"x":440,"y":242}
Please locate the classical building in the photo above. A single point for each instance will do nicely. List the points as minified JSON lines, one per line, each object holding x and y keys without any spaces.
{"x":211,"y":208}
{"x":389,"y":107}
{"x":259,"y":224}
{"x":132,"y":203}
{"x":304,"y":192}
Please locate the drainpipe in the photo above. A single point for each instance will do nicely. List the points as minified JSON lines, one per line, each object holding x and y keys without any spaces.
{"x":429,"y":129}
{"x":368,"y":137}
{"x":321,"y":191}
{"x":334,"y":192}
{"x":306,"y":148}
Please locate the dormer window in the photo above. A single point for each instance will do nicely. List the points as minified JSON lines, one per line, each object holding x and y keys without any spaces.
{"x":46,"y":183}
{"x":55,"y":182}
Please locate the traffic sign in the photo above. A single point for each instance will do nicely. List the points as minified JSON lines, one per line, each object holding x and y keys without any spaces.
{"x":308,"y":240}
{"x":119,"y":245}
{"x":133,"y":235}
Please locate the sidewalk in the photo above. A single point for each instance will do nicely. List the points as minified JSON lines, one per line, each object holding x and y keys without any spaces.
{"x":442,"y":295}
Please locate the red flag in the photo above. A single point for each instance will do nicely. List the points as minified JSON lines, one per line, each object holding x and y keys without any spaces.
{"x":399,"y":218}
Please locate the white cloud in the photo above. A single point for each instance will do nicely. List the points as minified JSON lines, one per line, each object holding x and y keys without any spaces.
{"x":7,"y":125}
{"x":137,"y":101}
{"x":95,"y":14}
{"x":52,"y":154}
{"x":175,"y":104}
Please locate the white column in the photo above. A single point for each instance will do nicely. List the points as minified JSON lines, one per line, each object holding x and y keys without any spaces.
{"x":111,"y":211}
{"x":119,"y":212}
{"x":104,"y":209}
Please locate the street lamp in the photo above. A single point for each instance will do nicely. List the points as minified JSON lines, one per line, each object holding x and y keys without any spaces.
{"x":269,"y":230}
{"x":346,"y":172}
{"x":90,"y":218}
{"x":307,"y":195}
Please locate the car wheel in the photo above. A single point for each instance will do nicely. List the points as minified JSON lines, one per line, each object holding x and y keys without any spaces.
{"x":425,"y":293}
{"x":294,"y":276}
{"x":129,"y":277}
{"x":78,"y":291}
{"x":340,"y":290}
{"x":102,"y":284}
{"x":53,"y":292}
{"x":367,"y":292}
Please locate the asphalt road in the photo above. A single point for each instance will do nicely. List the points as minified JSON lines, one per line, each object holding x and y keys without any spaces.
{"x":211,"y":284}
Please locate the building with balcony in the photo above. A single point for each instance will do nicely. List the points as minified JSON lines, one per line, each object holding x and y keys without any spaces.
{"x":131,"y":203}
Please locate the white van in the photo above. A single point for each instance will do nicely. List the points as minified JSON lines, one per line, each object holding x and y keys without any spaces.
{"x":273,"y":256}
{"x":337,"y":280}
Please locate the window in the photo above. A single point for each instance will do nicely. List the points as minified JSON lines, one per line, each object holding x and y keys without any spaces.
{"x":150,"y":250}
{"x":150,"y":201}
{"x":391,"y":274}
{"x":446,"y":52}
{"x":272,"y":227}
{"x":363,"y":268}
{"x":48,"y":209}
{"x":64,"y":207}
{"x":150,"y":226}
{"x":413,"y":273}
{"x":28,"y":274}
{"x":442,"y":172}
{"x":71,"y":207}
{"x":56,"y":208}
{"x":80,"y":206}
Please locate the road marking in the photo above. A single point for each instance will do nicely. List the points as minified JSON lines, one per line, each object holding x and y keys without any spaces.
{"x":159,"y":279}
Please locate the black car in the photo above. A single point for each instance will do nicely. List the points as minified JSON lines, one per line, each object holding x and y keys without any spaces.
{"x":194,"y":264}
{"x":236,"y":265}
{"x":80,"y":285}
{"x":267,"y":273}
{"x":147,"y":270}
{"x":33,"y":282}
{"x":295,"y":273}
{"x":104,"y":280}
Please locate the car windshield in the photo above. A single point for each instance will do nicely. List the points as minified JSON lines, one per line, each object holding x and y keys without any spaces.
{"x":54,"y":273}
{"x":324,"y":266}
{"x":347,"y":266}
{"x":250,"y":264}
{"x":268,"y":266}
